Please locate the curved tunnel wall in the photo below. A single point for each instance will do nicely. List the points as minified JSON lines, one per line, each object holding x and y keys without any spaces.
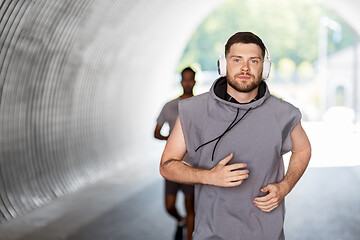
{"x":78,"y":80}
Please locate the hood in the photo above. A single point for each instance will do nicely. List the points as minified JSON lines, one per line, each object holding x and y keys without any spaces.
{"x":219,"y":87}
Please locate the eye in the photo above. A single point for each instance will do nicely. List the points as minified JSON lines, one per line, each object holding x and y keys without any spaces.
{"x":254,"y":61}
{"x":237,"y":60}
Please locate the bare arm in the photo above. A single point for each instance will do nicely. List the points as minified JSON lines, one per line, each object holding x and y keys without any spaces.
{"x":299,"y":160}
{"x":172,"y":168}
{"x":157,"y":133}
{"x":300,"y":157}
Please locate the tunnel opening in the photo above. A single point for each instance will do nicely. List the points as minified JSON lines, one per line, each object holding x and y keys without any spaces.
{"x":312,"y":55}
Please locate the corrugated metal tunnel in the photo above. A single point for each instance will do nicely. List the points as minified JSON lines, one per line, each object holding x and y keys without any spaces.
{"x":74,"y":79}
{"x":81,"y":83}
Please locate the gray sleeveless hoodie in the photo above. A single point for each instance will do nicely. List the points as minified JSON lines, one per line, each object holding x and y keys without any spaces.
{"x":259,"y":139}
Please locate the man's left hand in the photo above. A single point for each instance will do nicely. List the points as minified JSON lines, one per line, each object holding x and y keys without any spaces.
{"x":276,"y":193}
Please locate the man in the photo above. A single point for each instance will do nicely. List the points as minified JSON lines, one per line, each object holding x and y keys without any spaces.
{"x":169,"y":114}
{"x":235,"y":136}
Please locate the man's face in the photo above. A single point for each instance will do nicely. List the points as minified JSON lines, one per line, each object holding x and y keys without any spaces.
{"x":187,"y":81}
{"x":244,"y":64}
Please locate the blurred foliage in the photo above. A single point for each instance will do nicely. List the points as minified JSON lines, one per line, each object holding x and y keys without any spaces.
{"x":306,"y":70}
{"x":286,"y":68}
{"x":290,"y":29}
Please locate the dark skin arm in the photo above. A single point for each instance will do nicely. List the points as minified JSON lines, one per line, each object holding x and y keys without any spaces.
{"x":157,"y":133}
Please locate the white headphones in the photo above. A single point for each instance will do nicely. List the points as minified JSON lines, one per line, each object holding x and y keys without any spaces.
{"x":266,"y":65}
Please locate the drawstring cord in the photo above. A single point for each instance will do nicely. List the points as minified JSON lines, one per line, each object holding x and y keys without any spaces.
{"x":233,"y":124}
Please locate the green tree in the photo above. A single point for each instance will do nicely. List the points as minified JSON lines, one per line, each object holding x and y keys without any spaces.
{"x":289,"y":29}
{"x":306,"y":71}
{"x":286,"y":69}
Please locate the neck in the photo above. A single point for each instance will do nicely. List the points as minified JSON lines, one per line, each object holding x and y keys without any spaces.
{"x":186,"y":95}
{"x":242,"y":97}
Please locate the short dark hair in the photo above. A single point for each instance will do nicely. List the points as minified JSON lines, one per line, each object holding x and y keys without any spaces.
{"x":188,"y":69}
{"x":244,"y":37}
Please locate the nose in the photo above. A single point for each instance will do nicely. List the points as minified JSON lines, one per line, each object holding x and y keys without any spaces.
{"x":245,"y":67}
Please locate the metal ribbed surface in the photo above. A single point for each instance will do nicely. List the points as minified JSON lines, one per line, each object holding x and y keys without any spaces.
{"x":54,"y":117}
{"x":80,"y":82}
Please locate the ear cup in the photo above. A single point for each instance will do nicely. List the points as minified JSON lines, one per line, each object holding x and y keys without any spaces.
{"x":266,"y":69}
{"x":222,"y":65}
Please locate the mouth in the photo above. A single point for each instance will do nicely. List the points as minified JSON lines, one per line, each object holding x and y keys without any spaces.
{"x":243,"y":77}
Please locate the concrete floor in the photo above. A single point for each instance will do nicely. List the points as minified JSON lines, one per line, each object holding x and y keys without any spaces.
{"x":325,"y":205}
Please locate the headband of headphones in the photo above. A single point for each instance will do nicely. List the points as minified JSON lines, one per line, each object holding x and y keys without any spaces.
{"x":266,"y":64}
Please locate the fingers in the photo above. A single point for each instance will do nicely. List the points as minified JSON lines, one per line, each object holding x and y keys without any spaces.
{"x":232,"y":167}
{"x":267,"y":197}
{"x":236,"y":166}
{"x":238,"y":177}
{"x":269,"y":207}
{"x":238,"y":172}
{"x":234,"y":184}
{"x":263,"y":199}
{"x":241,"y":174}
{"x":233,"y":179}
{"x":270,"y":201}
{"x":224,"y":175}
{"x":226,"y":159}
{"x":265,"y":189}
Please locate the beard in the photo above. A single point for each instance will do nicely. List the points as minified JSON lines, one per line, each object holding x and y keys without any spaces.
{"x":244,"y":86}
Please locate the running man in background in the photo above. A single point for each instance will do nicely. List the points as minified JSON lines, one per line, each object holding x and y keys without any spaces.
{"x":169,"y":114}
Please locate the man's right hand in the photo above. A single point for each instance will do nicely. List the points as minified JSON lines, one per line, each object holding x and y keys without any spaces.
{"x":223,"y":175}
